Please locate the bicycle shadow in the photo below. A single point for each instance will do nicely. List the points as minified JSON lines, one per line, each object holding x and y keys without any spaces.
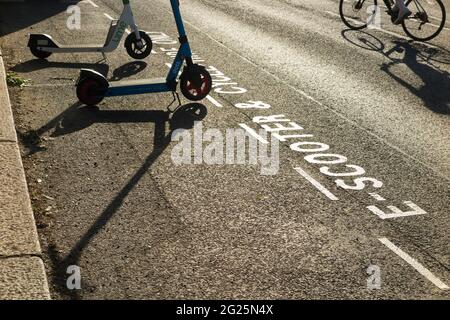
{"x":79,"y":117}
{"x":434,"y":89}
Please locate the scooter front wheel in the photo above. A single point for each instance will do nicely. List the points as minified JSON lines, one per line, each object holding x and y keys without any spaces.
{"x":39,"y":53}
{"x":132,"y":45}
{"x":195,"y":83}
{"x":90,"y":91}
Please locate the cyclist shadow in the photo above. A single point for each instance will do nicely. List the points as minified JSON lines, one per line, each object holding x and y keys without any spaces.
{"x":434,"y":89}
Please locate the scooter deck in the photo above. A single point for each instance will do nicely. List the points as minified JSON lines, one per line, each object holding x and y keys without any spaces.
{"x":70,"y":49}
{"x":141,"y":86}
{"x":138,"y":82}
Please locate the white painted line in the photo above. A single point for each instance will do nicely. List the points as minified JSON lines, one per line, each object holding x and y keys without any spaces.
{"x":377,"y":196}
{"x":92,"y":3}
{"x":316,"y":184}
{"x":415,"y":264}
{"x":253,"y":133}
{"x":108,"y":16}
{"x":214,"y":101}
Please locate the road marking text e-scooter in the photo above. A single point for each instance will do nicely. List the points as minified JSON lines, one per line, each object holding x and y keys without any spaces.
{"x":195,"y":80}
{"x":138,"y":43}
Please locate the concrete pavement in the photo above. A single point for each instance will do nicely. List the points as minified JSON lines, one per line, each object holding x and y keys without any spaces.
{"x":22,"y":273}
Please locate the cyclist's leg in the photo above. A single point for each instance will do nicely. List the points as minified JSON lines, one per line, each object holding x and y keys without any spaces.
{"x":401,"y":11}
{"x":399,"y":4}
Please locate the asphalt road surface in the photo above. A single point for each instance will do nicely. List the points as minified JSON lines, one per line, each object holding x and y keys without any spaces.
{"x":109,"y":198}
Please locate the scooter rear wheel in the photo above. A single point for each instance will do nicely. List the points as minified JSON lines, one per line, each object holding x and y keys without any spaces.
{"x":90,"y":91}
{"x":39,"y":53}
{"x":131,"y":44}
{"x":195,"y":83}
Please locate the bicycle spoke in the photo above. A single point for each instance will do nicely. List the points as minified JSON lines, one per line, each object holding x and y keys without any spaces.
{"x":418,"y":26}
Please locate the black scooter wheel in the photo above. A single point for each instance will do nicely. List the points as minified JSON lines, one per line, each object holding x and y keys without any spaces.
{"x":39,"y":53}
{"x":90,"y":91}
{"x":131,"y":44}
{"x":195,"y":83}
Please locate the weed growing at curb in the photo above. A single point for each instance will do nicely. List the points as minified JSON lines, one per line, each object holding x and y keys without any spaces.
{"x":14,"y":80}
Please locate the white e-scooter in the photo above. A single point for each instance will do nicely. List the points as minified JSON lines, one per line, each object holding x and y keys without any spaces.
{"x":138,"y":44}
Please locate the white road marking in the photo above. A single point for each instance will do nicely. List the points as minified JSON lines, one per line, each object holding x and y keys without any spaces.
{"x":253,"y":133}
{"x":214,"y":101}
{"x":377,"y":196}
{"x":396,"y":212}
{"x":92,"y":3}
{"x":316,"y":184}
{"x":108,"y":16}
{"x":415,"y":264}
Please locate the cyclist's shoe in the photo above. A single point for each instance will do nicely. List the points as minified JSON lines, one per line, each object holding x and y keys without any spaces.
{"x":395,"y":10}
{"x":393,"y":13}
{"x":402,"y":15}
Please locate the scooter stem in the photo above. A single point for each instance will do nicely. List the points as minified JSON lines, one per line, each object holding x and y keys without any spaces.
{"x":178,"y":20}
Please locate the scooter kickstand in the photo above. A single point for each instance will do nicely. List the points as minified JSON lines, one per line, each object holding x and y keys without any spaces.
{"x":104,"y":57}
{"x":175,"y":98}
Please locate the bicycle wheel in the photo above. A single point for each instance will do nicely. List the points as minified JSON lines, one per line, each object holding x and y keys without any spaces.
{"x":426,"y":21}
{"x":357,"y":14}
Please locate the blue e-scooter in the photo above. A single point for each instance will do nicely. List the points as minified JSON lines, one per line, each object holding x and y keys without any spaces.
{"x":195,"y":80}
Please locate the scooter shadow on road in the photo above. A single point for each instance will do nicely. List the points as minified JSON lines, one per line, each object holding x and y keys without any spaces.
{"x":80,"y":117}
{"x":435,"y":88}
{"x":38,"y":64}
{"x":128,"y":70}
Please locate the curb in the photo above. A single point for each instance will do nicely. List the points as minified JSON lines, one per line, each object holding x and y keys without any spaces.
{"x":22,"y":275}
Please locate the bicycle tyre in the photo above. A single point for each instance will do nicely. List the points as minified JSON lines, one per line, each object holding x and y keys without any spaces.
{"x":344,"y":19}
{"x":438,"y":31}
